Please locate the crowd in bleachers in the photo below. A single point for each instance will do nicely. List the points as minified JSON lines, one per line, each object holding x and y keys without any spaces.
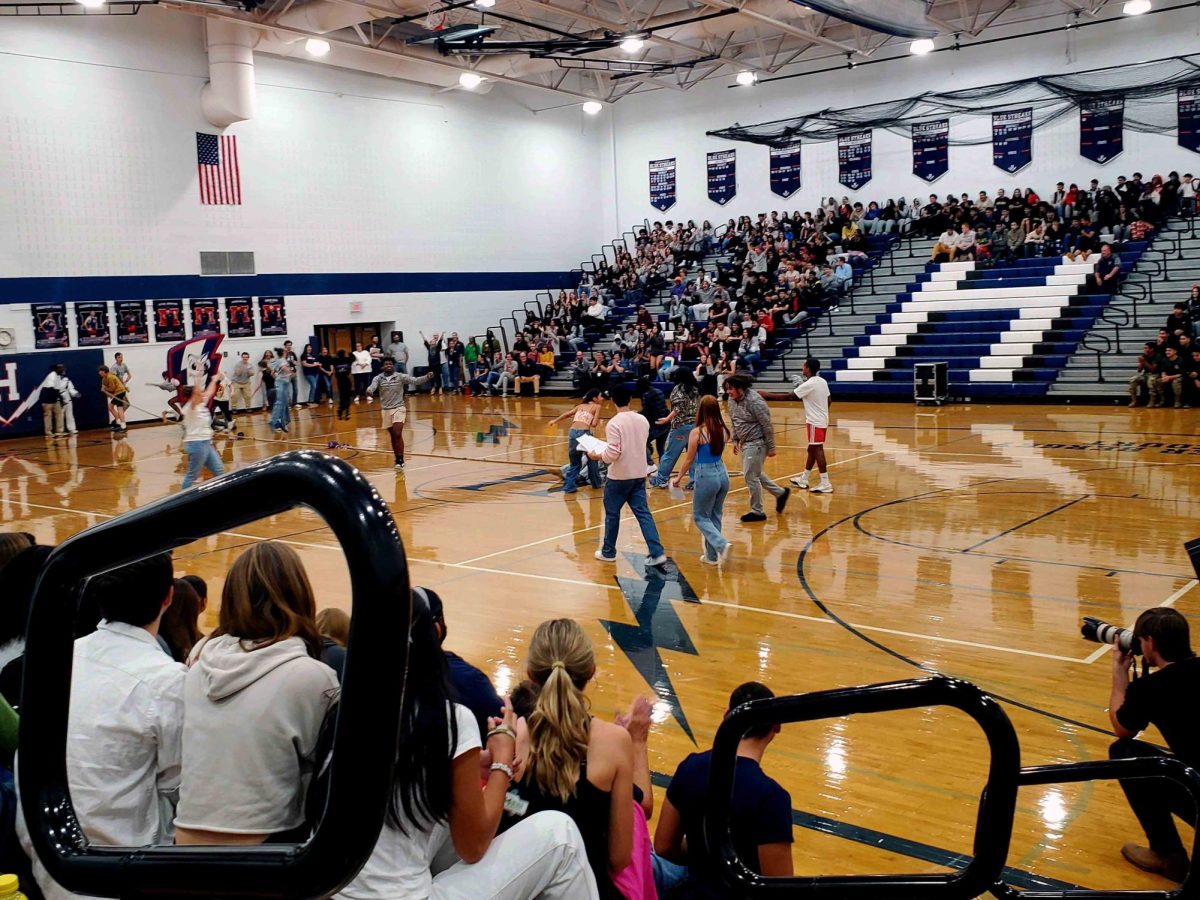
{"x":1167,"y":371}
{"x":179,"y":737}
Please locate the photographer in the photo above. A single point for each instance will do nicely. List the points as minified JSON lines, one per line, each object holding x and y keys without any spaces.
{"x":1165,"y":699}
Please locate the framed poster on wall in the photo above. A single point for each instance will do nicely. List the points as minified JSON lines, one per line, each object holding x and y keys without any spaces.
{"x":91,"y":324}
{"x":273,"y":314}
{"x":168,"y":320}
{"x":239,"y":317}
{"x":50,"y":326}
{"x":132,"y":325}
{"x":206,"y":318}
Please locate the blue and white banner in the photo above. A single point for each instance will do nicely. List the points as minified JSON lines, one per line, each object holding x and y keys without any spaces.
{"x":1012,"y":139}
{"x":21,"y":376}
{"x":854,"y":158}
{"x":662,"y":183}
{"x":1189,"y":118}
{"x":722,"y":176}
{"x":785,"y":170}
{"x":931,"y":149}
{"x":1101,"y":129}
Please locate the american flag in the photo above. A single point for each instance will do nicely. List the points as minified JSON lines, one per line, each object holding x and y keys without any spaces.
{"x":217,"y":162}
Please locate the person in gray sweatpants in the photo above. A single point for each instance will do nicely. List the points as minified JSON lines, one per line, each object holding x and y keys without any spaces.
{"x":754,"y":439}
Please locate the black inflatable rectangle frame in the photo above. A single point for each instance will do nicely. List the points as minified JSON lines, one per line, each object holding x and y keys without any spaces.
{"x":367,"y":726}
{"x":1167,"y":767}
{"x":994,"y":821}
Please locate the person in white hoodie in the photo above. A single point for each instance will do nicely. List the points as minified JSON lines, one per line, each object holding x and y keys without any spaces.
{"x":254,"y":701}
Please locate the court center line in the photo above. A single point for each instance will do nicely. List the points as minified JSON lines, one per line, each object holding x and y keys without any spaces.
{"x":1170,"y":601}
{"x":559,"y":537}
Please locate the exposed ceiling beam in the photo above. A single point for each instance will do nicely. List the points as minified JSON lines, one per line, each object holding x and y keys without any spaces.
{"x":746,"y":10}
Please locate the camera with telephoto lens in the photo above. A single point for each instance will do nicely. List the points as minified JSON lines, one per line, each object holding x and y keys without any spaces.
{"x":1102,"y":633}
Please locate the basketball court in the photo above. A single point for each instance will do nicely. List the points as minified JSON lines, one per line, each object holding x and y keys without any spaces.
{"x":966,"y":540}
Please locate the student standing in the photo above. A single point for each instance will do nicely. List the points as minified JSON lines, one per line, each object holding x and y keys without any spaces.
{"x":285,"y":375}
{"x":814,"y":391}
{"x":627,"y":433}
{"x":342,"y":364}
{"x":584,"y":418}
{"x":118,"y":397}
{"x":198,"y":434}
{"x":685,"y":398}
{"x":398,"y":351}
{"x":361,"y":370}
{"x":239,"y":389}
{"x":57,"y":396}
{"x":706,"y":443}
{"x":390,"y":385}
{"x":754,"y":438}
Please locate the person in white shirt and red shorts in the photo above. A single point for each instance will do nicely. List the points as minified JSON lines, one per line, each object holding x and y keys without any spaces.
{"x":814,"y":391}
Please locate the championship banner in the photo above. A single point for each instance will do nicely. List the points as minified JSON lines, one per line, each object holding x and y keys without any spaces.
{"x":168,"y":320}
{"x":854,"y":158}
{"x":1189,"y":118}
{"x":662,"y":183}
{"x":91,"y":321}
{"x":206,"y":319}
{"x":132,"y":326}
{"x":722,"y":176}
{"x":239,"y":316}
{"x":1101,"y":129}
{"x":1012,"y":139}
{"x":785,"y":170}
{"x":931,"y":149}
{"x":272,"y":315}
{"x":50,"y":326}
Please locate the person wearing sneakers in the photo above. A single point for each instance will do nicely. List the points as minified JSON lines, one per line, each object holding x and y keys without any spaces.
{"x":1166,"y":699}
{"x":754,"y":439}
{"x":814,"y":391}
{"x":626,"y":435}
{"x":390,"y":385}
{"x":705,"y":444}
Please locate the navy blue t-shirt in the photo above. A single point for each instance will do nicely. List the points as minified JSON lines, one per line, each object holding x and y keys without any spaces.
{"x":761,"y":814}
{"x":473,"y":690}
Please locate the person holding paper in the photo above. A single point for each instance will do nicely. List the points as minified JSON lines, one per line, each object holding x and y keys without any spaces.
{"x":584,"y":418}
{"x":625,"y":454}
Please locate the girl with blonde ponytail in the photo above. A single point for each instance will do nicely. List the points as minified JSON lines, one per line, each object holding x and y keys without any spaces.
{"x":577,"y":763}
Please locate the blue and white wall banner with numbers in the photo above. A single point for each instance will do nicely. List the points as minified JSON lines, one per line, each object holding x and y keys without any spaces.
{"x":1012,"y":139}
{"x":722,"y":176}
{"x":662,"y":183}
{"x":785,"y":170}
{"x":931,"y":149}
{"x":1101,"y":129}
{"x":1189,"y":118}
{"x":854,"y":158}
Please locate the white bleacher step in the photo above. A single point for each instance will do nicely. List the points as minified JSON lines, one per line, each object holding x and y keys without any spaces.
{"x":1005,"y":302}
{"x":949,"y":290}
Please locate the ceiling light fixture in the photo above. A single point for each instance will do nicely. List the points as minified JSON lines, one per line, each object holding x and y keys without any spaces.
{"x":746,"y":78}
{"x":592,"y":107}
{"x":470,"y":80}
{"x":921,"y":47}
{"x":487,"y":4}
{"x":91,"y":4}
{"x":316,"y":47}
{"x":632,"y":44}
{"x":1137,"y":7}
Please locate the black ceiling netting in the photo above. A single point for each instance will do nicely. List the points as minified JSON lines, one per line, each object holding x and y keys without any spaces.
{"x":1148,"y":90}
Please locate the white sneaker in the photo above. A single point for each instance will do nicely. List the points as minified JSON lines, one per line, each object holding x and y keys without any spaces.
{"x":823,"y":488}
{"x":708,"y":562}
{"x":724,"y":554}
{"x":801,"y":482}
{"x":656,"y":560}
{"x":599,"y":554}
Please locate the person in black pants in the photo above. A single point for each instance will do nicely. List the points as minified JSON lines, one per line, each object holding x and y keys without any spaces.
{"x":341,"y":374}
{"x":654,"y":408}
{"x":1166,"y":698}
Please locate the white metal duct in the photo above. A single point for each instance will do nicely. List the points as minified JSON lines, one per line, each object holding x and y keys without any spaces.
{"x":229,"y":95}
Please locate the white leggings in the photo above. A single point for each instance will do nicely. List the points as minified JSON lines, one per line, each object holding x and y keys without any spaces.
{"x":539,"y":857}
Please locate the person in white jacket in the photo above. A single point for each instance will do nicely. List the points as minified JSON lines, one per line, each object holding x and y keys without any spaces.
{"x":56,"y":396}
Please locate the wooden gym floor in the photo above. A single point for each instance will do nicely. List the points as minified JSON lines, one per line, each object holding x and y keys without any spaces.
{"x":967,"y":540}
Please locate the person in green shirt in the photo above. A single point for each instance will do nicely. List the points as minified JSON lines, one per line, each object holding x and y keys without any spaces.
{"x":471,"y":357}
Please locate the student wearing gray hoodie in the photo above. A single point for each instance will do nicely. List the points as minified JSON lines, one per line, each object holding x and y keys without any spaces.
{"x":254,"y":701}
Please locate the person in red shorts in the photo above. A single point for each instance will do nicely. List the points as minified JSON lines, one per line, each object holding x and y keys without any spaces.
{"x":814,"y":391}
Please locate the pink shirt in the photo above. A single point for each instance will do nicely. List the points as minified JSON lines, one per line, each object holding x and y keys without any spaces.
{"x":626,"y":434}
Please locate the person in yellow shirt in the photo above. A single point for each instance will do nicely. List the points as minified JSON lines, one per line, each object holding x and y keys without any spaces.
{"x":545,"y":362}
{"x":118,"y":397}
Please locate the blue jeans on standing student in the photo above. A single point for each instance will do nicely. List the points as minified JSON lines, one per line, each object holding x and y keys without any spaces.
{"x":313,"y":379}
{"x":201,"y":455}
{"x":577,"y":457}
{"x":708,"y":505}
{"x":676,"y":444}
{"x":618,"y":493}
{"x":281,"y":412}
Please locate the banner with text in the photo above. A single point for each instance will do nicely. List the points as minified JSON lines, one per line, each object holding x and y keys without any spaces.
{"x":931,"y":149}
{"x":854,"y":158}
{"x":50,"y":326}
{"x":1012,"y":139}
{"x":91,"y":323}
{"x":1101,"y":129}
{"x":206,"y":318}
{"x":239,"y":316}
{"x":272,"y":316}
{"x":132,"y":325}
{"x":168,"y":320}
{"x":1189,"y":118}
{"x":662,"y":183}
{"x":722,"y":176}
{"x":785,"y":170}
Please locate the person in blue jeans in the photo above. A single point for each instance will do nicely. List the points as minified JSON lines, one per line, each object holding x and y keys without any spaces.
{"x":584,"y":418}
{"x":705,"y":446}
{"x":625,"y":454}
{"x":685,"y":397}
{"x":198,"y":433}
{"x":281,"y":412}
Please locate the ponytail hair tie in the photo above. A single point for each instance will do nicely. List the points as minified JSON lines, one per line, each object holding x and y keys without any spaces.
{"x":558,"y":664}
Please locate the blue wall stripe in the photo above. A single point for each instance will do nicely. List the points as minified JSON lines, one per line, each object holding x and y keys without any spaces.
{"x":1017,"y":878}
{"x":150,"y":287}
